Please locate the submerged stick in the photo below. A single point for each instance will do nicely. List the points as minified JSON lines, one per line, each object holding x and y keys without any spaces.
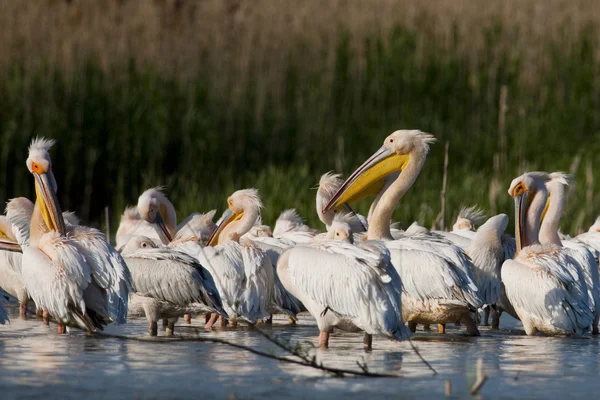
{"x":339,"y":372}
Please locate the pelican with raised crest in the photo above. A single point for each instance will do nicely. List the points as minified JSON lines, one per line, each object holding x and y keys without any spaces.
{"x":72,"y":272}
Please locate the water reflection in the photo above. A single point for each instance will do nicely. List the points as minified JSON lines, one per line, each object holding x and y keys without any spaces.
{"x":32,"y":356}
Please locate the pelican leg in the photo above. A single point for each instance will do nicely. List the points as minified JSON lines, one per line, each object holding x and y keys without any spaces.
{"x":39,"y":312}
{"x":496,"y":314}
{"x":427,"y":328}
{"x":223,"y":322}
{"x":212,"y":318}
{"x":165,"y":322}
{"x":324,"y":340}
{"x":368,"y":342}
{"x":207,"y":318}
{"x":233,"y":323}
{"x":412,"y":326}
{"x":471,"y":326}
{"x":292,"y":321}
{"x":486,"y":316}
{"x":153,"y":328}
{"x":441,"y":328}
{"x":187,"y":319}
{"x":23,"y":310}
{"x":62,"y":329}
{"x":46,"y":317}
{"x":170,"y":330}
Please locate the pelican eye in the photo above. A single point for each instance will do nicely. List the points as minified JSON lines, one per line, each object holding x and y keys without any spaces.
{"x":144,"y":244}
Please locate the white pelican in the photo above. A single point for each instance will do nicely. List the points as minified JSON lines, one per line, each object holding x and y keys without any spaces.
{"x":487,"y":253}
{"x":10,"y":268}
{"x":133,"y":225}
{"x":75,"y":275}
{"x":168,"y":283}
{"x":437,"y":281}
{"x":257,"y":277}
{"x":345,"y":286}
{"x":584,"y":255}
{"x":469,"y":218}
{"x":291,"y":226}
{"x":243,"y":282}
{"x":543,"y":283}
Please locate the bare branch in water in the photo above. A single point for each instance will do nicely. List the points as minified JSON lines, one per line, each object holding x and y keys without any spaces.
{"x":304,"y":359}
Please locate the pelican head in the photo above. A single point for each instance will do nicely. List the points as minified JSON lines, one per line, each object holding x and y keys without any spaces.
{"x":154,"y":207}
{"x":341,"y":228}
{"x":40,"y":166}
{"x":393,"y":156}
{"x":240,"y":203}
{"x":469,"y":218}
{"x":523,"y":189}
{"x":136,"y":243}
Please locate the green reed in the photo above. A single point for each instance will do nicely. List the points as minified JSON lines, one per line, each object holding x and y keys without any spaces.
{"x":124,"y":128}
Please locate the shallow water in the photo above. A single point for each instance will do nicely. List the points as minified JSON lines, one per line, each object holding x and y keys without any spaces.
{"x":35,"y":361}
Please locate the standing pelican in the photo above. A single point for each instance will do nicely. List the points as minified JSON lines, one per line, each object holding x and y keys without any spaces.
{"x":168,"y":283}
{"x":10,"y":268}
{"x":556,"y":186}
{"x":238,"y":270}
{"x":543,"y":283}
{"x":74,"y":274}
{"x":437,"y":281}
{"x":345,"y":286}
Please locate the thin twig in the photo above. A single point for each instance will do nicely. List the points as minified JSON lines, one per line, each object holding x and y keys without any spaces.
{"x":421,"y":357}
{"x":339,"y":372}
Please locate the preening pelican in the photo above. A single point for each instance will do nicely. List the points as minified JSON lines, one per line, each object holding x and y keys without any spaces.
{"x":72,"y":273}
{"x":257,"y":277}
{"x":345,"y":286}
{"x":168,"y":284}
{"x":543,"y":283}
{"x":242,"y":280}
{"x":581,"y":253}
{"x":437,"y":281}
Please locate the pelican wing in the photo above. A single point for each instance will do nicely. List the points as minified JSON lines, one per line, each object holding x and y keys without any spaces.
{"x":434,"y":269}
{"x":108,"y":269}
{"x":170,"y":275}
{"x":509,"y":245}
{"x":583,"y":256}
{"x":260,"y":281}
{"x":539,"y":286}
{"x":355,"y":283}
{"x":18,"y":213}
{"x":56,"y":275}
{"x":592,"y":239}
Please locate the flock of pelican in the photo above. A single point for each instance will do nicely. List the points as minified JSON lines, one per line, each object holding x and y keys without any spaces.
{"x":360,"y":274}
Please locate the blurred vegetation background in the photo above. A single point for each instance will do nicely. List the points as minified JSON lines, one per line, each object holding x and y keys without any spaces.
{"x":207,"y":97}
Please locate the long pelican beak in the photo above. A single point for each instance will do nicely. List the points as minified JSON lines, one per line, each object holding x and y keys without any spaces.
{"x":9,"y":245}
{"x":45,"y":191}
{"x":520,"y":212}
{"x":368,"y":179}
{"x":228,"y":217}
{"x":545,"y":208}
{"x":163,"y":227}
